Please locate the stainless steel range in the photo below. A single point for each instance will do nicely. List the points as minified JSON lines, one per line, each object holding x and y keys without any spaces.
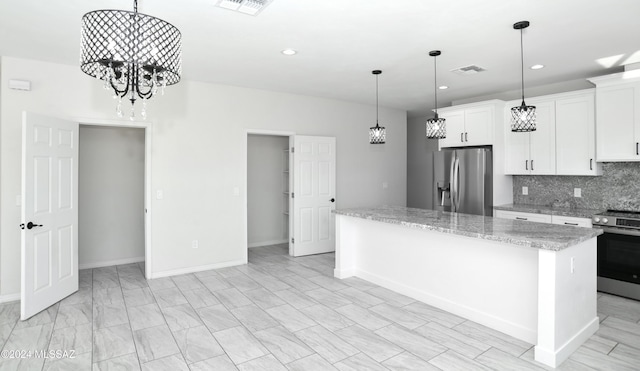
{"x":619,"y":252}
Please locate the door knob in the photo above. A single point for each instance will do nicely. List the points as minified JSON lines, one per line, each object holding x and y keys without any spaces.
{"x":333,"y":200}
{"x":31,"y":225}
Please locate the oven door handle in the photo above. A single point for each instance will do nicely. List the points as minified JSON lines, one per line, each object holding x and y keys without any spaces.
{"x":627,"y":232}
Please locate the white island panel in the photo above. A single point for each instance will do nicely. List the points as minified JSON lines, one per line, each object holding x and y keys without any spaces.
{"x":526,"y":292}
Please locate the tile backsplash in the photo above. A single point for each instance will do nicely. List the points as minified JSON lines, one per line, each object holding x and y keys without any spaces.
{"x":618,"y":188}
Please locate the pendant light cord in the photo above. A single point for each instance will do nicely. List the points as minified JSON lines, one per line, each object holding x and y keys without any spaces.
{"x":522,"y":64}
{"x":435,"y":83}
{"x":376,"y":100}
{"x":135,"y":6}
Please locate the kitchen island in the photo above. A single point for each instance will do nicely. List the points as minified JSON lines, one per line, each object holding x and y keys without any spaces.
{"x":533,"y":281}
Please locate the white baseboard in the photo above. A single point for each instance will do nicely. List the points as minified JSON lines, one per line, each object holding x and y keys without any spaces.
{"x":343,"y":273}
{"x":110,"y":263}
{"x":266,"y":243}
{"x":9,"y":298}
{"x":200,"y":268}
{"x":555,"y":358}
{"x":507,"y":327}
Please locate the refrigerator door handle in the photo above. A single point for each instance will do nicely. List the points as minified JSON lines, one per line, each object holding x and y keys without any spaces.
{"x":452,"y":185}
{"x":457,"y":182}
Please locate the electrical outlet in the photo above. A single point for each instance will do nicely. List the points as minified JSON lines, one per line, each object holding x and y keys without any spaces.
{"x":577,"y":192}
{"x":525,"y":191}
{"x":159,"y":194}
{"x":194,"y":244}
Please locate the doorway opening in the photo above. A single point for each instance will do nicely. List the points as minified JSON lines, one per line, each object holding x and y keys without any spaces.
{"x":268,"y":191}
{"x":111,"y":196}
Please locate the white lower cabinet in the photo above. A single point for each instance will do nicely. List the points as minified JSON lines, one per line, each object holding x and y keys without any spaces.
{"x":571,"y":221}
{"x":544,"y":218}
{"x":516,"y":215}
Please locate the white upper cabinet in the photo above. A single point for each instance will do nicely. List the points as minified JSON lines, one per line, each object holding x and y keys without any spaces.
{"x":564,"y":140}
{"x":618,"y":116}
{"x":454,"y":121}
{"x":575,"y":135}
{"x":532,"y":152}
{"x":470,"y":124}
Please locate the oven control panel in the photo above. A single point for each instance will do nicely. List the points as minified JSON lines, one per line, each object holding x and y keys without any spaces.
{"x":613,"y":221}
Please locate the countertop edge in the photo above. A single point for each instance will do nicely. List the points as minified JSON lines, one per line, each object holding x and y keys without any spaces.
{"x":540,"y":209}
{"x":545,"y":245}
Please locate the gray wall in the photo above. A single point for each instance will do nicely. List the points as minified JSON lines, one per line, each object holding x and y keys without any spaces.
{"x":419,"y":164}
{"x":110,"y":195}
{"x":618,"y":188}
{"x":265,"y":200}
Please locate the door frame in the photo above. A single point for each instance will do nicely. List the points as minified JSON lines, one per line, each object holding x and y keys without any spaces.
{"x":245,"y":163}
{"x":148,"y":140}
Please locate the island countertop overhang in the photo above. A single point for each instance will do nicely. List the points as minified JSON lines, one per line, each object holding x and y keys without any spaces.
{"x":522,"y":233}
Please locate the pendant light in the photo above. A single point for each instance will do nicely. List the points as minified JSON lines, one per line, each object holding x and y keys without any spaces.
{"x":523,"y":117}
{"x":377,"y":134}
{"x":436,"y":127}
{"x":133,"y":53}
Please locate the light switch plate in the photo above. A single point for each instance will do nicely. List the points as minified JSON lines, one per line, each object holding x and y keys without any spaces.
{"x":525,"y":191}
{"x":577,"y":192}
{"x":236,"y":191}
{"x":159,"y":194}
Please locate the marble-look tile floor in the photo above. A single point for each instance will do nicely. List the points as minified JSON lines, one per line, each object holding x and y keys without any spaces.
{"x":281,"y":313}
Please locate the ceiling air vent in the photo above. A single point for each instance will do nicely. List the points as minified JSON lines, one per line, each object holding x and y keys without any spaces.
{"x":251,"y":7}
{"x":468,"y":70}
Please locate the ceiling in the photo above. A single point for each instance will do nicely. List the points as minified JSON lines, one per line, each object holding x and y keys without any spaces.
{"x":339,"y":42}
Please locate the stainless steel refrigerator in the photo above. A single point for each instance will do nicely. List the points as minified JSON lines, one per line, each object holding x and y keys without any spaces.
{"x":463,"y":180}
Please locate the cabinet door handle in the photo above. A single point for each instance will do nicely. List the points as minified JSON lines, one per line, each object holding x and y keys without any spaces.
{"x":575,"y":224}
{"x":526,"y":164}
{"x":637,"y":153}
{"x":519,"y":218}
{"x":591,"y":164}
{"x":461,"y":134}
{"x":531,"y":165}
{"x":466,"y":137}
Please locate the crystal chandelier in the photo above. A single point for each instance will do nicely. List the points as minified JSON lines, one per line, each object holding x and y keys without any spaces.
{"x":436,"y":128}
{"x":523,"y":117}
{"x":377,"y":134}
{"x":133,"y":53}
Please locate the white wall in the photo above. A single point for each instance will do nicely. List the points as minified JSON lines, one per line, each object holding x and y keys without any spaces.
{"x":419,"y":164}
{"x":110,"y":195}
{"x":265,"y":197}
{"x":199,"y":157}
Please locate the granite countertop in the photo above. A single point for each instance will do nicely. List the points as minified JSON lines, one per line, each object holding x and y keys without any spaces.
{"x":550,"y":210}
{"x":523,"y":233}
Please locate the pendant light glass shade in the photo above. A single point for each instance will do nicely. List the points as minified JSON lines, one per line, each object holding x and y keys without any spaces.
{"x":436,"y":126}
{"x":523,"y":117}
{"x":133,"y":53}
{"x":377,"y":134}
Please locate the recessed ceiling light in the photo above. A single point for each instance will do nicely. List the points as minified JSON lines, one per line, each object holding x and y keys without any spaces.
{"x":537,"y":66}
{"x":442,"y":87}
{"x":289,"y":52}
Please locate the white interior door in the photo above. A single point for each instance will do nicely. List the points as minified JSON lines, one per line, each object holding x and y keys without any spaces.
{"x":49,"y":270}
{"x":314,"y":184}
